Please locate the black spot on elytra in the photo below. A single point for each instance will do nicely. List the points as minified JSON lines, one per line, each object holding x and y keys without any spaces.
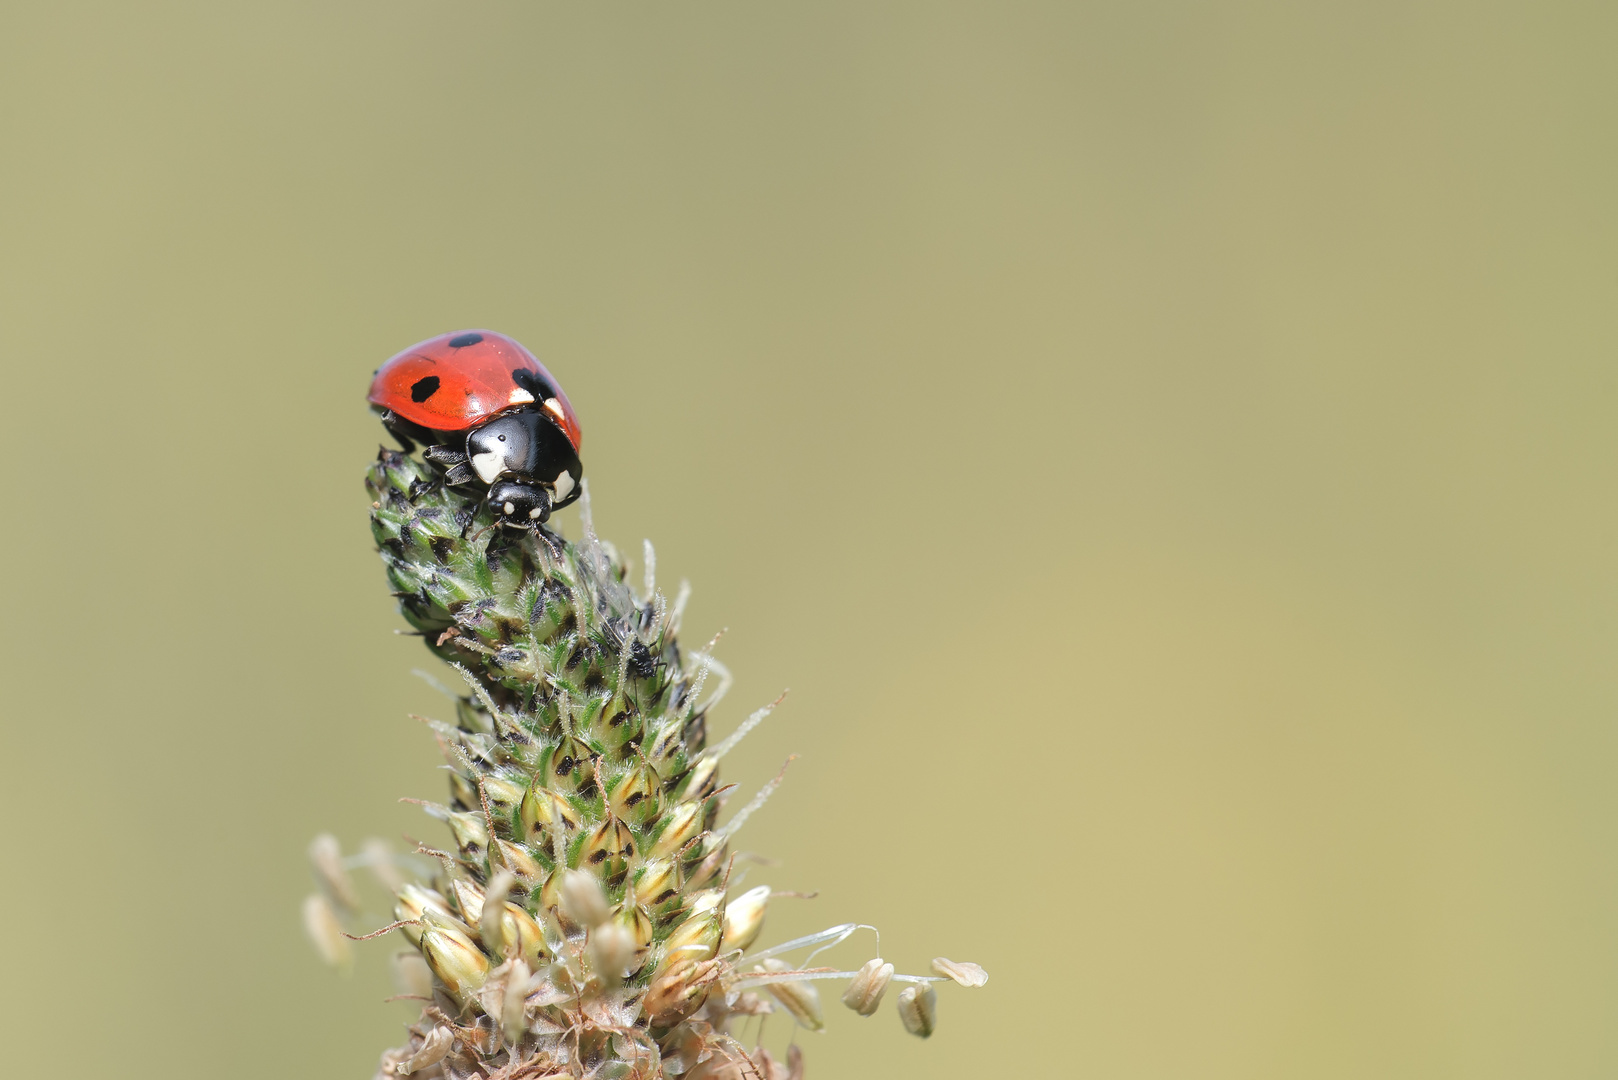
{"x":423,"y":388}
{"x":531,"y":382}
{"x":461,"y":341}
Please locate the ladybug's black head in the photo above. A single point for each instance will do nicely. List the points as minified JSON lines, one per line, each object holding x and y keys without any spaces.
{"x":518,"y":505}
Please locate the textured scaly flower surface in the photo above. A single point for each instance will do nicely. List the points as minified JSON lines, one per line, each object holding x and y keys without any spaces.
{"x":579,"y":922}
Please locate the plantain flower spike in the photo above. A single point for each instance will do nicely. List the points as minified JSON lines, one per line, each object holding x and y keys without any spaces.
{"x":578,"y":916}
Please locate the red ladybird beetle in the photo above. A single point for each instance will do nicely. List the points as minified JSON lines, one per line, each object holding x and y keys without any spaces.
{"x":488,"y":413}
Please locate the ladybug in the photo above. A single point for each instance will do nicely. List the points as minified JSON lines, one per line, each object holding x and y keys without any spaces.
{"x":488,"y":414}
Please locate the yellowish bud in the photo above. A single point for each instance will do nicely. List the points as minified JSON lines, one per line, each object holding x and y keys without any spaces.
{"x":457,"y":961}
{"x":699,"y":782}
{"x":744,"y":918}
{"x":327,"y":859}
{"x":694,"y":939}
{"x":471,"y":832}
{"x":664,"y":746}
{"x":568,"y":766}
{"x":412,"y":902}
{"x":801,"y":999}
{"x":468,"y":899}
{"x":633,"y":917}
{"x":658,"y":883}
{"x":864,"y":994}
{"x":520,"y":934}
{"x":966,"y":974}
{"x":464,"y":791}
{"x":541,"y":810}
{"x":472,"y":716}
{"x":618,"y":723}
{"x":918,"y":1009}
{"x":706,"y":901}
{"x":503,"y":796}
{"x":637,"y":794}
{"x":320,"y":923}
{"x":684,"y":823}
{"x":679,"y":991}
{"x":713,"y":862}
{"x":510,"y":857}
{"x":609,"y":848}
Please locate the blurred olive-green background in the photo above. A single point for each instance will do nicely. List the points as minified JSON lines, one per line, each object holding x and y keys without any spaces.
{"x":1167,"y":449}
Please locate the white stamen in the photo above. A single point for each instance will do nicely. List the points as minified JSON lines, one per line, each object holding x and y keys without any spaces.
{"x":488,"y":465}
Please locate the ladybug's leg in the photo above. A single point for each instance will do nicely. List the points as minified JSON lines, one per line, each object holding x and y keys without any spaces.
{"x":458,"y":476}
{"x":418,"y":488}
{"x":473,"y":516}
{"x":396,"y":427}
{"x":444,"y":455}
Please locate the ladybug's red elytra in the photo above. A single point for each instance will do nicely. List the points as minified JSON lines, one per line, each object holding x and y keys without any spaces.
{"x":488,"y":413}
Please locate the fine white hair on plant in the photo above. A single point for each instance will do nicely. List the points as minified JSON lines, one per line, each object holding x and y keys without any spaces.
{"x":733,"y":826}
{"x":741,"y":732}
{"x":677,"y":613}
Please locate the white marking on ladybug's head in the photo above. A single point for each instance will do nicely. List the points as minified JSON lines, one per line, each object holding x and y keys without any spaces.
{"x":563,"y":485}
{"x":554,"y":407}
{"x":534,"y":513}
{"x":488,"y":465}
{"x":509,"y":508}
{"x":519,"y":396}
